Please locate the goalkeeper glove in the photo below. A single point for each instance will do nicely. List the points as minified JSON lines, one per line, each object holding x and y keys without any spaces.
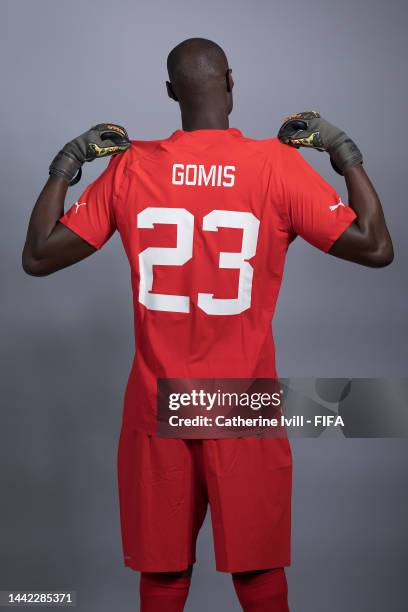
{"x":309,"y":129}
{"x":101,"y":140}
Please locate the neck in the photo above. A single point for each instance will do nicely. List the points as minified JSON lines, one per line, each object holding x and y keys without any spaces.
{"x":204,"y":119}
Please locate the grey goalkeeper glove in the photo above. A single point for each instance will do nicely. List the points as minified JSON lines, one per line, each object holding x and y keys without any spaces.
{"x":309,"y":129}
{"x":101,"y":140}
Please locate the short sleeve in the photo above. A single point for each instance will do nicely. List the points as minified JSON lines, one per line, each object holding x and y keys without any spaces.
{"x":92,"y":216}
{"x":314,"y":208}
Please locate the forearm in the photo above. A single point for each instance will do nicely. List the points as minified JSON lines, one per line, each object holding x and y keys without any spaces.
{"x":47,"y":210}
{"x":368,"y":237}
{"x":363,"y":199}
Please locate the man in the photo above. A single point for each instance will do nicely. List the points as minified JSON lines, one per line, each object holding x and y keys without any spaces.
{"x":206,"y":217}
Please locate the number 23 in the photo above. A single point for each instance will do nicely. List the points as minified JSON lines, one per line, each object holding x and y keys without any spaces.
{"x":179,"y":255}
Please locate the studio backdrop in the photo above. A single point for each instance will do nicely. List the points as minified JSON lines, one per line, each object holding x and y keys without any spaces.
{"x":67,"y":339}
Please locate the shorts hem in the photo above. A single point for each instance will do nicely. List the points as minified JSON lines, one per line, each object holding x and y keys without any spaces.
{"x":149,"y":568}
{"x":233,"y":569}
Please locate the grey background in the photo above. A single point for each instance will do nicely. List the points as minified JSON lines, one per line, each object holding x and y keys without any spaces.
{"x":67,"y":340}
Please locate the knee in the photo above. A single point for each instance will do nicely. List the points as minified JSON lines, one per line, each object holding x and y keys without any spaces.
{"x":262,"y":589}
{"x":183,"y":574}
{"x":249,"y":574}
{"x":170,"y":575}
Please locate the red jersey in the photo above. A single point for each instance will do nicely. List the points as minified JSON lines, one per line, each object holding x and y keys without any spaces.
{"x":205,"y":218}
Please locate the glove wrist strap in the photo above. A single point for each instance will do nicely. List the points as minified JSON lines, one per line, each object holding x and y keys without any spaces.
{"x":345,"y":155}
{"x":67,"y":167}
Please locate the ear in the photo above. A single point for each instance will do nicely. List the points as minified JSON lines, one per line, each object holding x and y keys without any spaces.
{"x":170,"y":91}
{"x":230,"y":80}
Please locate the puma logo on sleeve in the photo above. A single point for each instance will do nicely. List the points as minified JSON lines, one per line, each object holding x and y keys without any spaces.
{"x":77,"y":205}
{"x":334,"y":206}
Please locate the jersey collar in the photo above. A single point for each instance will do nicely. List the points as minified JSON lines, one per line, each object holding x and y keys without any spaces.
{"x":206,"y":134}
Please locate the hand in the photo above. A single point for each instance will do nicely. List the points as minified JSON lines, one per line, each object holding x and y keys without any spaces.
{"x":309,"y":129}
{"x":101,"y":140}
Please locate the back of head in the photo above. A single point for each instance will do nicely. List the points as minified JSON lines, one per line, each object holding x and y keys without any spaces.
{"x":199,"y":74}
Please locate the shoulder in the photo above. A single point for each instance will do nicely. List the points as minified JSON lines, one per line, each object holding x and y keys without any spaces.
{"x":139,"y":148}
{"x":284,"y":164}
{"x":273,"y":150}
{"x":285,"y":160}
{"x":138,"y":151}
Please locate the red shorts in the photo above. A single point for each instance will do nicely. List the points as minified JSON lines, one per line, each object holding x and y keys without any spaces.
{"x":165,"y":486}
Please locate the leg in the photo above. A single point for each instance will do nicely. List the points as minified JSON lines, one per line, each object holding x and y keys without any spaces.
{"x":162,"y":502}
{"x":249,"y":487}
{"x":164,"y":590}
{"x":262,"y":590}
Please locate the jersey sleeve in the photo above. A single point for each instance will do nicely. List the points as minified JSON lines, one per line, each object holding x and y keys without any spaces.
{"x":92,"y":216}
{"x":314,"y":209}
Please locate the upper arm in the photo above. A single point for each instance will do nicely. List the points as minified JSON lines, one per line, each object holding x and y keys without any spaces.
{"x":355,"y":245}
{"x":63,"y":248}
{"x":69,"y":246}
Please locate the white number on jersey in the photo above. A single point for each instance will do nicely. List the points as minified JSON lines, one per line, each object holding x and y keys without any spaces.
{"x":179,"y":255}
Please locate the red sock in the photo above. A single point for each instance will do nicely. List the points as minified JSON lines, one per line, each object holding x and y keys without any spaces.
{"x":262,"y":592}
{"x":163,"y":592}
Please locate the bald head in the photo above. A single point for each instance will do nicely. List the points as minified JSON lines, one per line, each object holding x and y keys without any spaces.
{"x":199,"y":75}
{"x":196,"y":62}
